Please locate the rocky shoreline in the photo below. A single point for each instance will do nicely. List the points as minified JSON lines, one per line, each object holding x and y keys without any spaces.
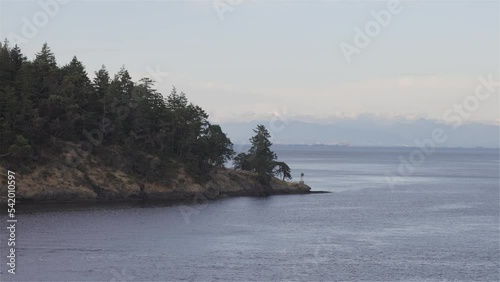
{"x":50,"y":184}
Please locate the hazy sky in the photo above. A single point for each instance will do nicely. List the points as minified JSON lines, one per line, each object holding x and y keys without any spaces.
{"x":283,"y":57}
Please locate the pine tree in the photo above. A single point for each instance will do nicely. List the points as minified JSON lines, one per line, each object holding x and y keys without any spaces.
{"x":46,"y":71}
{"x":218,"y":145}
{"x":42,"y":104}
{"x":262,"y":158}
{"x":283,"y":170}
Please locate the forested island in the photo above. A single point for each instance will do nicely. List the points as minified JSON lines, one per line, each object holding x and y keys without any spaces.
{"x":72,"y":138}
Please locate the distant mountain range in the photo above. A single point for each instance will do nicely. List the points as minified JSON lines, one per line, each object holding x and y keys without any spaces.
{"x":366,"y":131}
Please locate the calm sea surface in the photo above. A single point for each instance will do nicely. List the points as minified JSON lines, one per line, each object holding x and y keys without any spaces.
{"x":437,"y":222}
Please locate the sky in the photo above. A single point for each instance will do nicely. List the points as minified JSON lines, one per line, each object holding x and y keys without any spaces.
{"x":249,"y":59}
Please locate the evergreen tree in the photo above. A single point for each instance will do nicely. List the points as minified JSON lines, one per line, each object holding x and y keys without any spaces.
{"x":5,"y":64}
{"x":261,"y":159}
{"x":47,"y":76}
{"x":241,"y":162}
{"x":283,"y":170}
{"x":218,"y":145}
{"x":42,"y":103}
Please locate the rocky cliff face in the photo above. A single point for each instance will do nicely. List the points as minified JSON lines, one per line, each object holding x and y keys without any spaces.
{"x":50,"y":183}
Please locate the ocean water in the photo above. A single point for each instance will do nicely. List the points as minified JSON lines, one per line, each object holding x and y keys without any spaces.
{"x":435,"y":220}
